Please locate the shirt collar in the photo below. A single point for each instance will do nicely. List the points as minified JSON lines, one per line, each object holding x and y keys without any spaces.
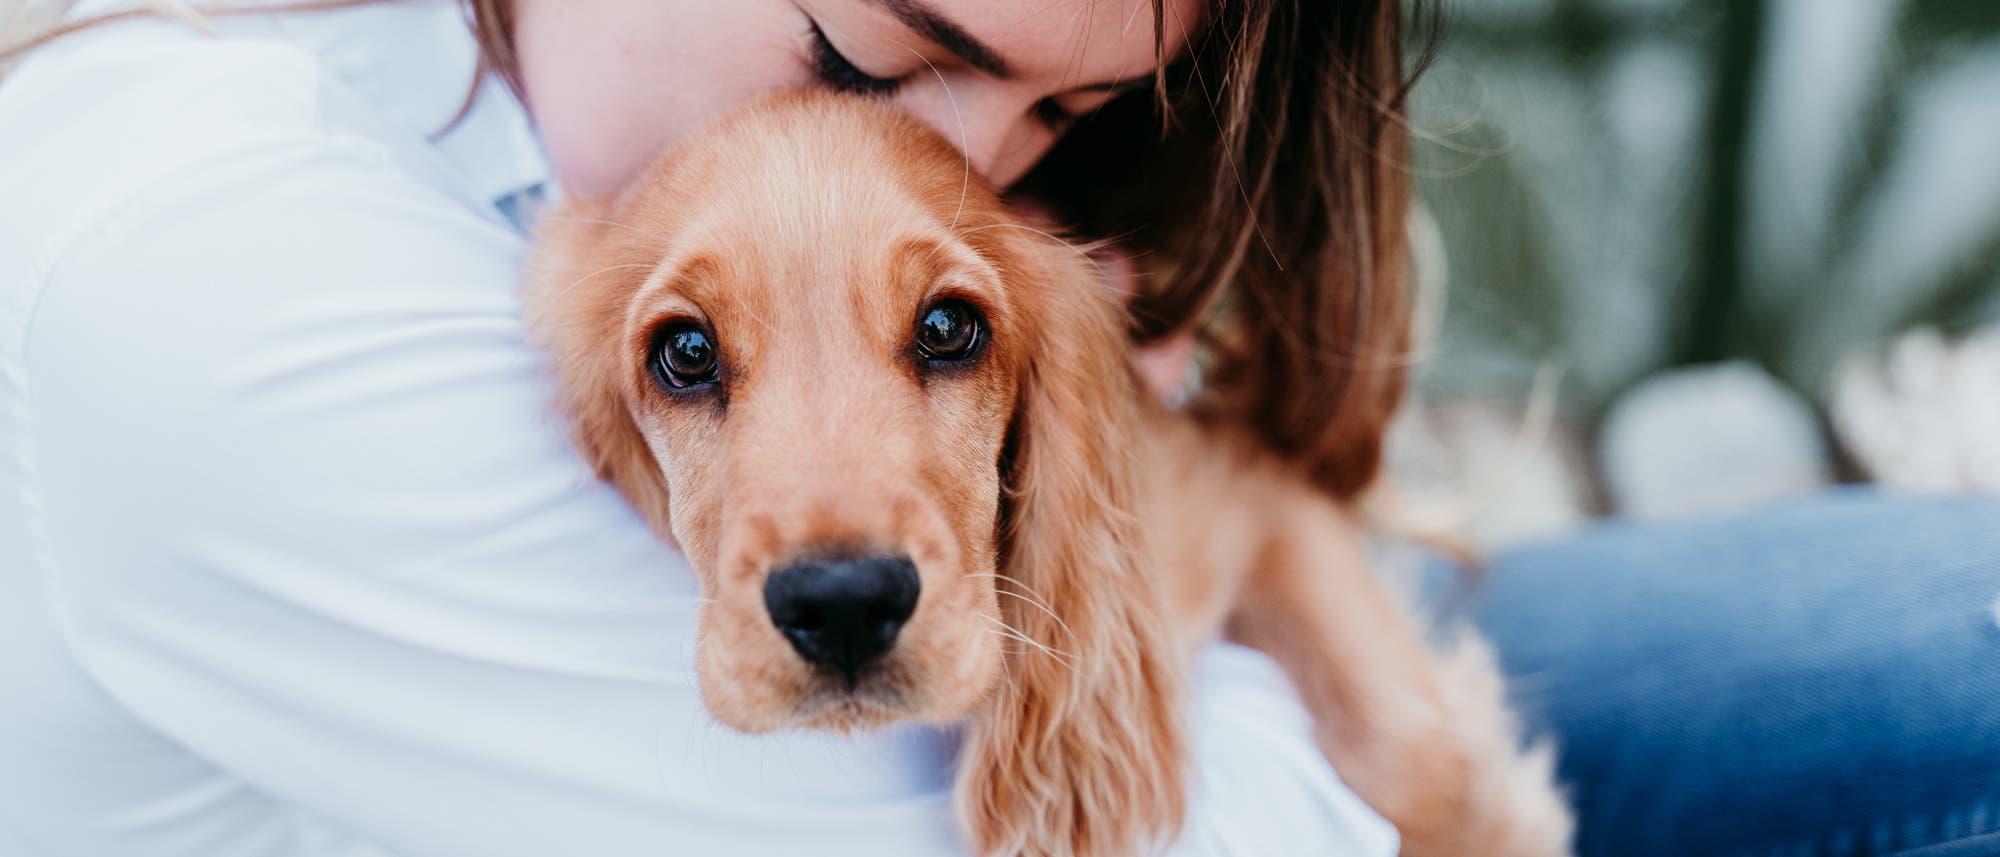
{"x":418,"y":60}
{"x":496,"y":144}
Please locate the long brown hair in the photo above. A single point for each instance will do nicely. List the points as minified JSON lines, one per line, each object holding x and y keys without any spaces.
{"x":1276,"y":201}
{"x":1265,"y":187}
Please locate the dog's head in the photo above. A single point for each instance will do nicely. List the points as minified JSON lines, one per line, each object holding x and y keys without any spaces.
{"x":890,"y":427}
{"x":821,"y":365}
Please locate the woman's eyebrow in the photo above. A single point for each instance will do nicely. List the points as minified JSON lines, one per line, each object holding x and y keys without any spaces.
{"x":942,"y":31}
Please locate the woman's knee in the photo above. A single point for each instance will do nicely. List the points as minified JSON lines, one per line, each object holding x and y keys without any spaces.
{"x":1811,"y":673}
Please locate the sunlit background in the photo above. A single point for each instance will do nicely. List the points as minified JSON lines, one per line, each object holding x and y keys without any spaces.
{"x":1748,"y":248}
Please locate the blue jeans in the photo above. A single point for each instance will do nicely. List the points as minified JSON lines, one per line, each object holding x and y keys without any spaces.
{"x":1822,"y":679}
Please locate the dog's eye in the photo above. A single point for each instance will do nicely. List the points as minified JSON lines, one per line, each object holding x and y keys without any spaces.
{"x":949,"y":330}
{"x":684,"y":355}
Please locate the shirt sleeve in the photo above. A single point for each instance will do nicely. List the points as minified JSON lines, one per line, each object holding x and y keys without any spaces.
{"x":310,"y":519}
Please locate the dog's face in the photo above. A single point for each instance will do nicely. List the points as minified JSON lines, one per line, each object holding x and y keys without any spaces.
{"x":893,"y":429}
{"x":819,"y":337}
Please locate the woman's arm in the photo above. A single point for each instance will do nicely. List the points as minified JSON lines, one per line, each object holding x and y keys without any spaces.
{"x":315,"y":552}
{"x":307,"y":515}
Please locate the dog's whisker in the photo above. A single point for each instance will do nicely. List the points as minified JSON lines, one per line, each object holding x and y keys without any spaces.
{"x":1009,"y":579}
{"x":1010,"y":632}
{"x":1038,"y":600}
{"x":1044,"y":608}
{"x":1052,"y":654}
{"x":1033,"y":597}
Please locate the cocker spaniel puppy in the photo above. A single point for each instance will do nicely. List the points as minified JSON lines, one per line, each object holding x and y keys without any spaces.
{"x":896,"y":432}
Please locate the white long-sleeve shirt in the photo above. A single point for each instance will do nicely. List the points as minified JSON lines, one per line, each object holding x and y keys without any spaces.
{"x":295,"y":559}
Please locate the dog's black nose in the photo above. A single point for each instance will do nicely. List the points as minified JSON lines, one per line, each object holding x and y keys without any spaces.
{"x":842,"y":613}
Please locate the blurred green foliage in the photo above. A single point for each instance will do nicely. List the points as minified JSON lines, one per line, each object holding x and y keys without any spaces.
{"x":1630,"y":185}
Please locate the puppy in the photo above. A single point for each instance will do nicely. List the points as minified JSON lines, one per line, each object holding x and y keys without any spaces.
{"x":896,"y":433}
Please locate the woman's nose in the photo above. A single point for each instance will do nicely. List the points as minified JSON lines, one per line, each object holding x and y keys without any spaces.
{"x":993,"y":124}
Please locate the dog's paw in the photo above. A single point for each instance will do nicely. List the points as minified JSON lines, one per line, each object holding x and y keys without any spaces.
{"x":1508,"y":803}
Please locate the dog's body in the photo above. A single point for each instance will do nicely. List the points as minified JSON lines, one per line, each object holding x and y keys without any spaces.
{"x":833,"y":368}
{"x":1247,"y":547}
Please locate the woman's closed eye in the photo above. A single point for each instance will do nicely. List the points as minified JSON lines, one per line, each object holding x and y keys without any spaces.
{"x":835,"y":71}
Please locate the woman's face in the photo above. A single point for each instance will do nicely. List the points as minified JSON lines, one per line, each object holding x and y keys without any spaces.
{"x":613,"y":82}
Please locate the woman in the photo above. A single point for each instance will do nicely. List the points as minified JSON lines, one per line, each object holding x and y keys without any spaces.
{"x":295,"y":560}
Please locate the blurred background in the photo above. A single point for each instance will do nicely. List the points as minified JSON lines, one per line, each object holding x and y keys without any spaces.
{"x":1689,"y":257}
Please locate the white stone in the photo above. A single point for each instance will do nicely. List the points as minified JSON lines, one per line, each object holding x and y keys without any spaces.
{"x":1925,"y":416}
{"x":1709,"y":440}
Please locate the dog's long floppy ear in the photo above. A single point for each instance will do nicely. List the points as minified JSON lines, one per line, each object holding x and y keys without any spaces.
{"x":1080,"y":753}
{"x":575,"y":301}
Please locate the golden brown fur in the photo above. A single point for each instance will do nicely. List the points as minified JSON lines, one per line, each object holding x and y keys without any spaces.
{"x":1072,"y":544}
